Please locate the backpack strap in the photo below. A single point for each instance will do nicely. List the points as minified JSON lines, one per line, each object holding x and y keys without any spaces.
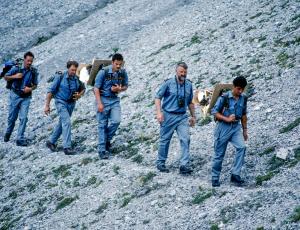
{"x":61,"y":75}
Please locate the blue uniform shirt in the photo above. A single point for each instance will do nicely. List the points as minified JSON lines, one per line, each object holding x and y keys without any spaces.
{"x":170,"y":91}
{"x":236,"y":107}
{"x":63,"y":88}
{"x":27,"y":80}
{"x":104,"y":83}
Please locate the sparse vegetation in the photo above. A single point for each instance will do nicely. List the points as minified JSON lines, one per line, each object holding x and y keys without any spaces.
{"x":65,"y":202}
{"x":267,"y":151}
{"x":214,"y":227}
{"x":138,"y":158}
{"x":86,"y":161}
{"x":126,"y":199}
{"x":116,"y":169}
{"x":260,"y":179}
{"x":165,"y":47}
{"x":146,"y":178}
{"x":202,"y":195}
{"x":205,"y":121}
{"x":62,"y":171}
{"x":296,"y":215}
{"x":291,"y":126}
{"x":101,"y":208}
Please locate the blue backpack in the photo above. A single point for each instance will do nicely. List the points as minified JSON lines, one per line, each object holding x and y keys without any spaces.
{"x":7,"y":66}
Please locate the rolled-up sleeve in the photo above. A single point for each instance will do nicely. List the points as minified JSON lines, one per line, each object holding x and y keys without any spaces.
{"x":218,"y":106}
{"x":161,"y":91}
{"x":99,"y":79}
{"x":53,"y":88}
{"x":12,"y":71}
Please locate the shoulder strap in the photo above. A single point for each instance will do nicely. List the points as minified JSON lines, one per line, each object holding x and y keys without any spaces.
{"x":61,"y":75}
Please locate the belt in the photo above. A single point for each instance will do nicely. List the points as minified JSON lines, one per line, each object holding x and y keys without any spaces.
{"x":109,"y":96}
{"x":177,"y":113}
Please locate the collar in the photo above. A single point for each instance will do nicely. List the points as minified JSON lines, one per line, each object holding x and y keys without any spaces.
{"x":110,"y":71}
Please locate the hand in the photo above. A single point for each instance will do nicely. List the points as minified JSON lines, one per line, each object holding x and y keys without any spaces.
{"x":160,"y":117}
{"x":192,"y":121}
{"x":245,"y":134}
{"x":18,"y":76}
{"x":47,"y":110}
{"x":76,"y":96}
{"x":100,"y":107}
{"x":231,"y":118}
{"x":116,"y":88}
{"x":27,"y":89}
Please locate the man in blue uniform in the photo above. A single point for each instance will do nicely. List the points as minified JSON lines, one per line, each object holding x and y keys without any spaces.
{"x":229,"y":110}
{"x":66,"y":89}
{"x":22,"y":80}
{"x":109,"y":82}
{"x":176,"y":94}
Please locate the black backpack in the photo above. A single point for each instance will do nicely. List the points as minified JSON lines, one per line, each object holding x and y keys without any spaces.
{"x":61,"y":75}
{"x":8,"y":65}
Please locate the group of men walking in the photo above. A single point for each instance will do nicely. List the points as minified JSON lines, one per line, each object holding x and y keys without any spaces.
{"x":172,"y":99}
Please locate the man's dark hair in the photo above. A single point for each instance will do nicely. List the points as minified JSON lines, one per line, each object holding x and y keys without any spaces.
{"x":182,"y":64}
{"x":117,"y":57}
{"x":70,"y":63}
{"x":29,"y":53}
{"x":240,"y":82}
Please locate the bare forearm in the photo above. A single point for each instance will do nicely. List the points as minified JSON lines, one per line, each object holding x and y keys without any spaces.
{"x":192,"y":109}
{"x":10,"y":78}
{"x":219,"y":116}
{"x":48,"y":99}
{"x":158,"y":105}
{"x":244,"y":122}
{"x":97,"y":95}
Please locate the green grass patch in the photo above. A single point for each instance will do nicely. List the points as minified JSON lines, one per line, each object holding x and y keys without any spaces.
{"x":65,"y":202}
{"x":256,"y":15}
{"x":205,"y":121}
{"x":116,"y":169}
{"x":261,"y":178}
{"x":267,"y":151}
{"x":146,"y":178}
{"x":138,"y":158}
{"x":126,"y":199}
{"x":291,"y":126}
{"x":202,"y":195}
{"x":91,"y":181}
{"x":165,"y":47}
{"x":296,"y":215}
{"x":214,"y":227}
{"x":101,"y":208}
{"x":62,"y":171}
{"x":86,"y":161}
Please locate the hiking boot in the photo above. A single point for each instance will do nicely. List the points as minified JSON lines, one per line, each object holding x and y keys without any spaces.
{"x":236,"y":179}
{"x":69,"y":151}
{"x":108,"y":146}
{"x":22,"y":143}
{"x":51,"y":146}
{"x":185,"y":170}
{"x":162,"y":168}
{"x":6,"y":137}
{"x":104,"y":155}
{"x":215,"y":183}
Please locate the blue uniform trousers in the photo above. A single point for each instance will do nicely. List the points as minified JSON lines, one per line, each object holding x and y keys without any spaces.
{"x":225,"y":133}
{"x":172,"y":122}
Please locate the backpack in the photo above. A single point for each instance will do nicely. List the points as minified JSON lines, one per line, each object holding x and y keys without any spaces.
{"x":226,"y":102}
{"x":61,"y":75}
{"x":8,"y":65}
{"x":109,"y":76}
